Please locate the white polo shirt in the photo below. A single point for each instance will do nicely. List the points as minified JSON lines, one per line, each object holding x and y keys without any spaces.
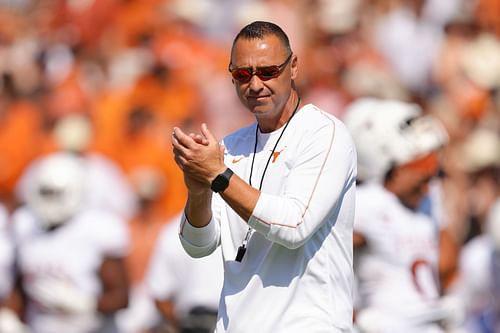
{"x":296,"y":275}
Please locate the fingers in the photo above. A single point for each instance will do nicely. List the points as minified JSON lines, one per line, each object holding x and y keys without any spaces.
{"x":180,"y":161}
{"x":188,"y":140}
{"x":181,"y":138}
{"x":178,"y":149}
{"x":197,"y":154}
{"x":206,"y":132}
{"x":183,"y":144}
{"x":200,"y":139}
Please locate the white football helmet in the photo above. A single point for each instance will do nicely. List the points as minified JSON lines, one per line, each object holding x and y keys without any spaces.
{"x":389,"y":133}
{"x":57,"y":188}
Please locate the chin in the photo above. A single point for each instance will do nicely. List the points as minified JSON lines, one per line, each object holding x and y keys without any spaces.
{"x":259,"y":102}
{"x":258,"y":109}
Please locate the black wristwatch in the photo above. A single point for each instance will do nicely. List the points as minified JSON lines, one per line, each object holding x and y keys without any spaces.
{"x":221,"y":182}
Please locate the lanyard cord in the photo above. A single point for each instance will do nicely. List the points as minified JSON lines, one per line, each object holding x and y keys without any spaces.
{"x":243,"y":246}
{"x":272,"y":151}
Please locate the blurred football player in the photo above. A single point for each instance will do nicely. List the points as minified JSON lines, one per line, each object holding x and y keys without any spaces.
{"x":105,"y":181}
{"x":396,"y":244}
{"x":480,"y":277}
{"x":69,"y":258}
{"x":186,"y":290}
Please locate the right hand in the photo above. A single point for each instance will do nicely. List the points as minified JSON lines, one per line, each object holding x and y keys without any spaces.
{"x":198,"y":155}
{"x":194,"y":186}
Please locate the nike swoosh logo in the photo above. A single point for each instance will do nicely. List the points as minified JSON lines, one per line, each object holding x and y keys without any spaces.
{"x":236,"y":160}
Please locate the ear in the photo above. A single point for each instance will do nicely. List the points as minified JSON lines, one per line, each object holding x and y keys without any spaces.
{"x":294,"y":67}
{"x":232,"y":80}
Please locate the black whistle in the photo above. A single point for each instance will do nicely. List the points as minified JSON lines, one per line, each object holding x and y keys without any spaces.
{"x":241,"y":252}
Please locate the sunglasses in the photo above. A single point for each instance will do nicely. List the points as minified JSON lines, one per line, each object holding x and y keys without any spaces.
{"x":244,"y":74}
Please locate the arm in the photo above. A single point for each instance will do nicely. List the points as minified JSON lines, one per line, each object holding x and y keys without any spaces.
{"x":321,"y":174}
{"x":12,"y":310}
{"x":194,"y":154}
{"x":114,"y":279}
{"x":166,"y":309}
{"x":201,"y":159}
{"x":324,"y":170}
{"x":15,"y":300}
{"x":449,"y":250}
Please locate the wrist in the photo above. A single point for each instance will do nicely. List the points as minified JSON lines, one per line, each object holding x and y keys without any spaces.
{"x":221,"y":182}
{"x":199,"y":191}
{"x":216,"y":173}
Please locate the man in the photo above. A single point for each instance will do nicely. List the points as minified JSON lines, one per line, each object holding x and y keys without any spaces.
{"x":396,"y":244}
{"x":284,"y":218}
{"x":69,"y":258}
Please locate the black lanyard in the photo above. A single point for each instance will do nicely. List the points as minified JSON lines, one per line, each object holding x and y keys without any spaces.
{"x":243,"y":247}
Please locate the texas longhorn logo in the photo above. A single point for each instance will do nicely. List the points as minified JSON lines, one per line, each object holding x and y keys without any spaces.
{"x":276,"y":154}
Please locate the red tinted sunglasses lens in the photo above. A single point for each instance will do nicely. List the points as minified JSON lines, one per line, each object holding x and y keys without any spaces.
{"x":267,"y":73}
{"x":242,"y":75}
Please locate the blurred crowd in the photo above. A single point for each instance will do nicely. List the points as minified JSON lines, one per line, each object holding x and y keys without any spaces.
{"x":107,"y":80}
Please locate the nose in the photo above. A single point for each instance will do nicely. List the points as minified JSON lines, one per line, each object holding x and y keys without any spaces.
{"x":255,"y":84}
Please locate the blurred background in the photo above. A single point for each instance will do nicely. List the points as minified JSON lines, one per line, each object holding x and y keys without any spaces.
{"x":108,"y":79}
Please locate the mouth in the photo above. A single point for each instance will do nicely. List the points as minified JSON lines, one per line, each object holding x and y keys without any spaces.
{"x":257,"y":98}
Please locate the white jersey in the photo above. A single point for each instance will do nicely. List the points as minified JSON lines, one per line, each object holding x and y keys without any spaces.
{"x":296,"y":275}
{"x":476,"y":275}
{"x":6,"y":255}
{"x":479,"y":284}
{"x":396,"y":270}
{"x":72,"y":253}
{"x":188,"y":282}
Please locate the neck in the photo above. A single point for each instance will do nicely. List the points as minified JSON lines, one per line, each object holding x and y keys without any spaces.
{"x":270,"y":125}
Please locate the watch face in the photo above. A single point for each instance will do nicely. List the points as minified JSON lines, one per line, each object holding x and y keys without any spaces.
{"x":221,"y":182}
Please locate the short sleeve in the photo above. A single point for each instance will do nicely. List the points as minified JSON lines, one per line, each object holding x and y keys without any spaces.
{"x":113,"y":237}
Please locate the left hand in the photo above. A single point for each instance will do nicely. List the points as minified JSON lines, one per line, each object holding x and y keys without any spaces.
{"x":200,"y":156}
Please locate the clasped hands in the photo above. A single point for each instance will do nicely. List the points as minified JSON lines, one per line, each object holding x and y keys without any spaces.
{"x":200,"y":157}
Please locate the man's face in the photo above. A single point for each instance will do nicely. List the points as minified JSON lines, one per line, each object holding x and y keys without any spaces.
{"x":264,"y":98}
{"x":410,"y":182}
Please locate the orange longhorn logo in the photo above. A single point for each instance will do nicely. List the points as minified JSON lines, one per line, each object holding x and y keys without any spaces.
{"x":276,"y":154}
